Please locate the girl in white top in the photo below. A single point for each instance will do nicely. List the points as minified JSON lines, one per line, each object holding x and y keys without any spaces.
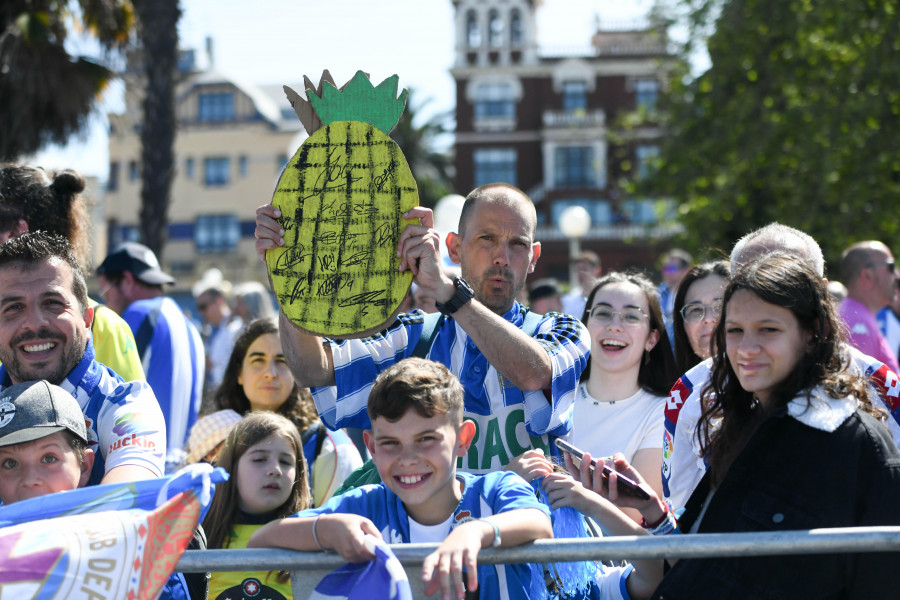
{"x":620,"y":401}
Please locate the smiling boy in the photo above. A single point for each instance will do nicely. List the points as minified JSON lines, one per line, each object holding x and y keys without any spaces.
{"x":43,"y":442}
{"x":417,"y":435}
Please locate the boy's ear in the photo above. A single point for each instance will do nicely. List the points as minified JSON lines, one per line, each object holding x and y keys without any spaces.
{"x":464,"y":437}
{"x":87,"y":465}
{"x":369,"y":439}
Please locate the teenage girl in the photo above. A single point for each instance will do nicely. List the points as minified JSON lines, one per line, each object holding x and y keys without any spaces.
{"x":264,"y":456}
{"x":257,"y":377}
{"x":793,"y":442}
{"x":619,"y":402}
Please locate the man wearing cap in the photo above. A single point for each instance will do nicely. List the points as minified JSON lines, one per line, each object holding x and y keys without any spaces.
{"x":45,"y":333}
{"x":43,"y":442}
{"x":171,"y":350}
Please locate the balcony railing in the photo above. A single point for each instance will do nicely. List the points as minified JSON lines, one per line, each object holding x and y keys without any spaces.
{"x":578,"y":118}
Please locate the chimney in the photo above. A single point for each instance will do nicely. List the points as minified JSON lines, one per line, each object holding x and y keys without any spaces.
{"x":209,"y":51}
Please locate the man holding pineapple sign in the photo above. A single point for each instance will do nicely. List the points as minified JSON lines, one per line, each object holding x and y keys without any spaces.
{"x":519,"y":370}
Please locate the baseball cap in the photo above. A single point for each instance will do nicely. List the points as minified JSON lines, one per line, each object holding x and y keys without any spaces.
{"x":210,"y":431}
{"x":137,"y":259}
{"x":35,"y":409}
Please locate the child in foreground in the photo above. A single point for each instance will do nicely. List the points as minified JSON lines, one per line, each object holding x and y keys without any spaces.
{"x":43,"y":442}
{"x":417,"y":434}
{"x":264,"y":456}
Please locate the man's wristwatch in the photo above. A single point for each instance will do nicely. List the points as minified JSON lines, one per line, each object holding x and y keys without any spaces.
{"x":463,"y":294}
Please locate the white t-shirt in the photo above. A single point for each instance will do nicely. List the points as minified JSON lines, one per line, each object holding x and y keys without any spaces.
{"x":428,"y":534}
{"x":626,"y":426}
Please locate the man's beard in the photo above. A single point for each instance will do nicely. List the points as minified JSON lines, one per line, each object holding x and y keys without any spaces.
{"x":494,"y":302}
{"x":55,"y":373}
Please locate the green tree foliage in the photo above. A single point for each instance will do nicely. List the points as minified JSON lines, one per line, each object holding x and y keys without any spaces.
{"x":796,"y":120}
{"x":431,"y":168}
{"x":46,"y":94}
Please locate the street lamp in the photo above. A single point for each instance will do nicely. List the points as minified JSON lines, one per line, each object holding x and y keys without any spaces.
{"x":574,"y":222}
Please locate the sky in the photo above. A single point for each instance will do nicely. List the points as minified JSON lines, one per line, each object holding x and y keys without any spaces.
{"x":279,"y":41}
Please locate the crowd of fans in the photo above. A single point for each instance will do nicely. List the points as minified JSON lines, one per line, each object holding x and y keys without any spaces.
{"x":737,"y":396}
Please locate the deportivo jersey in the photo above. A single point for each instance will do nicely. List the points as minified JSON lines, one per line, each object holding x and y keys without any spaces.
{"x":508,"y":420}
{"x":683,"y":463}
{"x":482,"y":496}
{"x":174,"y":360}
{"x":124,"y":423}
{"x":247,"y":585}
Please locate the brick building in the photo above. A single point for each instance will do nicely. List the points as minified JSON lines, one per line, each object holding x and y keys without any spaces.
{"x":542,"y":119}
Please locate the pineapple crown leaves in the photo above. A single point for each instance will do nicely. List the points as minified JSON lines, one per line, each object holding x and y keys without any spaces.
{"x":305,"y":111}
{"x":359,"y":100}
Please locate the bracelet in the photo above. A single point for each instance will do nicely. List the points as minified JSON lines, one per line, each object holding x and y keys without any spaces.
{"x":664,"y":526}
{"x":659,"y":521}
{"x":315,"y":537}
{"x":496,"y":541}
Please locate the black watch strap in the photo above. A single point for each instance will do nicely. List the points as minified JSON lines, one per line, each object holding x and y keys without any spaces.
{"x":462,"y":295}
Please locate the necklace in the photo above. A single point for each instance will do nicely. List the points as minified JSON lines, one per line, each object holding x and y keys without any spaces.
{"x":584,"y":395}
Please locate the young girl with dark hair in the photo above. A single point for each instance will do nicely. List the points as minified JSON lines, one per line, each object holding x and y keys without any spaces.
{"x":793,"y":443}
{"x":264,"y":456}
{"x":619,"y":402}
{"x":257,"y":377}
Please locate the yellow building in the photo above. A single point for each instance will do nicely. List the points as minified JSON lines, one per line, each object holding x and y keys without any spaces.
{"x":232,"y":142}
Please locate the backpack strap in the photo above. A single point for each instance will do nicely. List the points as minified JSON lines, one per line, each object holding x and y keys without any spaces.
{"x":530,"y":322}
{"x":431,"y":325}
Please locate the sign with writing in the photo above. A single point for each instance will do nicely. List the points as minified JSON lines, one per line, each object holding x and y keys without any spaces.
{"x":342,"y":197}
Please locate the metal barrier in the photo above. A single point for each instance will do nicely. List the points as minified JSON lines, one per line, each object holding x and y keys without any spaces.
{"x":307,"y":568}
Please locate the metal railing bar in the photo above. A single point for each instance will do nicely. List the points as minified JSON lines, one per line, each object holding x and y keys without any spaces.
{"x":816,"y":541}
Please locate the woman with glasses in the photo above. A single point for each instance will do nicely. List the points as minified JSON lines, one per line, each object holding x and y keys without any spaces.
{"x":697,"y":307}
{"x":619,"y":402}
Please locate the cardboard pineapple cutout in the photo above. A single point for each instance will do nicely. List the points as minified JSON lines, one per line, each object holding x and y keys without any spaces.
{"x":342,"y":197}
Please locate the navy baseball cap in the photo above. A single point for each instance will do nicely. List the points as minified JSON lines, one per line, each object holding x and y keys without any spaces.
{"x":35,"y":409}
{"x":138,"y":260}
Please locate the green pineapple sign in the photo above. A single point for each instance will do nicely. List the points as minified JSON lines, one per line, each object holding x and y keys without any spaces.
{"x":342,"y":197}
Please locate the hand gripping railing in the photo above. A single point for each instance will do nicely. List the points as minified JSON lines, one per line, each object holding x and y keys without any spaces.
{"x":307,"y":568}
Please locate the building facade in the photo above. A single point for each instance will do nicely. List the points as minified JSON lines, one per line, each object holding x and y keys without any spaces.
{"x":544,"y":119}
{"x":232,"y":142}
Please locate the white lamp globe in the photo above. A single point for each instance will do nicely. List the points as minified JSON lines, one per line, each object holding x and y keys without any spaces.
{"x":575,"y":222}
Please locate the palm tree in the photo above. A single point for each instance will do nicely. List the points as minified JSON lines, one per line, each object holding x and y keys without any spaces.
{"x":46,"y":93}
{"x":432,"y":169}
{"x":158,"y":34}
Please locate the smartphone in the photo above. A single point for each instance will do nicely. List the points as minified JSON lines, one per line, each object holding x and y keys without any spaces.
{"x":626,"y":485}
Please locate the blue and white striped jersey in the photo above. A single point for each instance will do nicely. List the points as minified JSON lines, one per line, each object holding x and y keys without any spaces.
{"x":174,"y":361}
{"x":509,"y":421}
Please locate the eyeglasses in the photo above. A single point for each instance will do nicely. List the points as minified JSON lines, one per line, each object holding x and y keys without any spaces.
{"x":202,"y":306}
{"x":694,"y":313}
{"x":630,"y":317}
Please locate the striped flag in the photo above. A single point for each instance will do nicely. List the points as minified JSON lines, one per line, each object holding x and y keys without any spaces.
{"x":117,"y":541}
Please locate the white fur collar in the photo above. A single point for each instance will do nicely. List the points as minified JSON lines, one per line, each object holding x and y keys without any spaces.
{"x":821,"y":411}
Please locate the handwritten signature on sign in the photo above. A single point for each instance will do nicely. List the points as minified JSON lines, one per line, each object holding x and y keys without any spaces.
{"x":342,"y":207}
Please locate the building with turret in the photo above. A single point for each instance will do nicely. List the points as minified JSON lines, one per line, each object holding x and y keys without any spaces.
{"x":548,"y":120}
